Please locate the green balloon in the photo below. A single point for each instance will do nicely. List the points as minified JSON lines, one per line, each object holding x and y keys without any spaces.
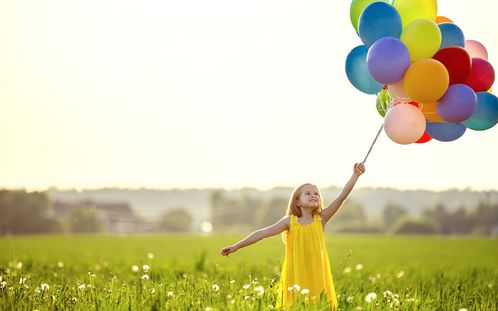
{"x":411,"y":10}
{"x":357,"y":7}
{"x":383,"y":102}
{"x":422,"y":37}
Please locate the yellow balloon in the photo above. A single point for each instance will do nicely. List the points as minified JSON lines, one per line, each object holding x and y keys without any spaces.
{"x":422,"y":37}
{"x":430,"y":112}
{"x":411,"y":10}
{"x":426,"y":81}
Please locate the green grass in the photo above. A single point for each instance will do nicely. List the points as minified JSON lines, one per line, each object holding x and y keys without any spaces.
{"x":188,"y":273}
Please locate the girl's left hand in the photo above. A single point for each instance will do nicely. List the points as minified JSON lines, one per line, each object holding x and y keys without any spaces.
{"x":359,"y":168}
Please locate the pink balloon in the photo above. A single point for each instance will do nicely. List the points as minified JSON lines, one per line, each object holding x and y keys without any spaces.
{"x":404,"y":124}
{"x":476,"y":49}
{"x":397,"y":92}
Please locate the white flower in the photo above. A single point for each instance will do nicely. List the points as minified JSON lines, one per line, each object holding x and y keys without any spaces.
{"x":388,"y":293}
{"x":359,"y":266}
{"x":82,"y":286}
{"x":209,"y":309}
{"x":400,"y":274}
{"x":134,"y":268}
{"x":370,"y":297}
{"x":3,"y":284}
{"x":305,"y":291}
{"x":246,"y":286}
{"x":463,"y":309}
{"x":150,"y":256}
{"x":260,"y":290}
{"x":44,"y":287}
{"x":152,"y":290}
{"x":22,"y":280}
{"x":347,"y":270}
{"x":396,"y":296}
{"x":145,"y":277}
{"x":60,"y":264}
{"x":146,"y":268}
{"x":297,"y":287}
{"x":215,"y":287}
{"x":170,"y":294}
{"x":247,"y":297}
{"x":18,"y":265}
{"x":74,"y":299}
{"x":232,"y":301}
{"x":349,"y":299}
{"x":290,"y":288}
{"x":232,"y":281}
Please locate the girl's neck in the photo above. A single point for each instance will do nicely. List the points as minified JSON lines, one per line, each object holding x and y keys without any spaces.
{"x":306,"y":213}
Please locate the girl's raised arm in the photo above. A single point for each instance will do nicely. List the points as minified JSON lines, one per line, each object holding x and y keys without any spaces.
{"x":333,"y":207}
{"x":258,"y":235}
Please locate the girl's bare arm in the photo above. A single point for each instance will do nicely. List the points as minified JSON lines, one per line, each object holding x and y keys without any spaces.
{"x":258,"y":235}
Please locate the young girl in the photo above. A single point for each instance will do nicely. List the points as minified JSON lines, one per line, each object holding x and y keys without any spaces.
{"x":306,"y":268}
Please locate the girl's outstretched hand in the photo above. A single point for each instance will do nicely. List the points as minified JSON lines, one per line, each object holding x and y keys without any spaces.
{"x":359,"y":168}
{"x":228,"y":250}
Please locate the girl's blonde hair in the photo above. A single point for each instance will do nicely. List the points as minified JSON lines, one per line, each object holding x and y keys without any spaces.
{"x":293,"y":209}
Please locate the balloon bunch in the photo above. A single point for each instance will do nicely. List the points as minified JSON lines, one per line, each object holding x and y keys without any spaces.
{"x":430,"y":82}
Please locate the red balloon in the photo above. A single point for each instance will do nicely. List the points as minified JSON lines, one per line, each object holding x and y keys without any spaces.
{"x":482,"y":75}
{"x":425,"y":138}
{"x":457,"y":61}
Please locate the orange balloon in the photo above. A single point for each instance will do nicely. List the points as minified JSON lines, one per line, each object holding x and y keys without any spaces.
{"x":426,"y":80}
{"x":430,"y":112}
{"x":442,"y":19}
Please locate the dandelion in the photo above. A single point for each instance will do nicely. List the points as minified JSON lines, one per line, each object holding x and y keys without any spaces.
{"x":215,"y":287}
{"x":44,"y":287}
{"x":82,"y":286}
{"x":145,"y":277}
{"x":347,"y":270}
{"x":232,"y":281}
{"x":232,"y":301}
{"x":305,"y":291}
{"x":134,"y":268}
{"x":152,"y":290}
{"x":246,"y":286}
{"x":208,"y":309}
{"x":290,"y":288}
{"x":170,"y":294}
{"x":150,"y":255}
{"x":74,"y":299}
{"x":463,"y":309}
{"x":359,"y":266}
{"x":400,"y":274}
{"x":396,"y":296}
{"x":297,"y":287}
{"x":22,"y":281}
{"x":146,"y":268}
{"x":3,"y":284}
{"x":247,"y":297}
{"x":349,"y":299}
{"x":18,"y":265}
{"x":370,"y":297}
{"x":260,"y":290}
{"x":387,"y":294}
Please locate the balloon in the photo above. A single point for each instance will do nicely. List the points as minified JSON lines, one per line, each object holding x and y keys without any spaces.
{"x":411,"y":10}
{"x":458,"y":103}
{"x":404,"y":124}
{"x":476,"y":49}
{"x":398,"y":92}
{"x":482,"y":75}
{"x":422,"y":37}
{"x":357,"y":6}
{"x":442,"y":19}
{"x":452,"y":35}
{"x":426,"y":81}
{"x":486,"y":114}
{"x":387,"y":60}
{"x":379,"y":20}
{"x":357,"y":71}
{"x":445,"y":131}
{"x":430,"y":112}
{"x":457,"y":61}
{"x":383,"y":102}
{"x":425,"y":138}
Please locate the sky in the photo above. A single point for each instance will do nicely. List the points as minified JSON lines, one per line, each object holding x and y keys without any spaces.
{"x":199,"y":94}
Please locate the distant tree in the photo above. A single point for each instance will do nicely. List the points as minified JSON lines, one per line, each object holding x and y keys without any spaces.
{"x":484,"y":217}
{"x":227,"y":211}
{"x":270,"y":212}
{"x":411,"y":226}
{"x":440,"y":216}
{"x":175,"y":220}
{"x":350,"y":213}
{"x":460,"y":222}
{"x":83,"y":219}
{"x":392,"y":213}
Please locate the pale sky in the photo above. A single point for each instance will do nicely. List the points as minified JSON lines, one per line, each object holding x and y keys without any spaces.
{"x":196,"y":93}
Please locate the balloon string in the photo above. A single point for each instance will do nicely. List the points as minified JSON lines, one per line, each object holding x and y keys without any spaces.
{"x":373,"y":143}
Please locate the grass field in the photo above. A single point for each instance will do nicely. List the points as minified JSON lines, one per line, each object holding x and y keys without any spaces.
{"x":186,"y":272}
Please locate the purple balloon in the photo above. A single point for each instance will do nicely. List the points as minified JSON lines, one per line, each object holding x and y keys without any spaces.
{"x":387,"y":60}
{"x":458,"y":103}
{"x":444,"y":131}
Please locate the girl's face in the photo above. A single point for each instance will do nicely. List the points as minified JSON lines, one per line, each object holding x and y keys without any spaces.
{"x":310,"y":197}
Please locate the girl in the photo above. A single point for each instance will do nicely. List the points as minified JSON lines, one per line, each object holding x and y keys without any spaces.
{"x":306,"y":268}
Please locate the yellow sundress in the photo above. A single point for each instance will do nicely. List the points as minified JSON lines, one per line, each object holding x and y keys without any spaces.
{"x":306,"y":265}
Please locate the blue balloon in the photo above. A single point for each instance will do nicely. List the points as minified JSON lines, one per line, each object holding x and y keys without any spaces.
{"x":357,"y":71}
{"x":379,"y":20}
{"x":443,"y":131}
{"x":458,"y":103}
{"x":486,"y":113}
{"x":451,"y":35}
{"x":388,"y":59}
